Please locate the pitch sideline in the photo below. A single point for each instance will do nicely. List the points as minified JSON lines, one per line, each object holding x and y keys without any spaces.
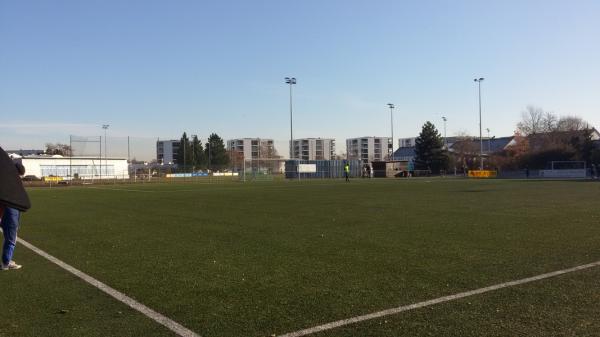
{"x":153,"y":315}
{"x":397,"y":310}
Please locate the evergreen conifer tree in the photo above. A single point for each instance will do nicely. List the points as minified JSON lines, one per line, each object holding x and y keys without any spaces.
{"x":429,"y":150}
{"x":216,"y":154}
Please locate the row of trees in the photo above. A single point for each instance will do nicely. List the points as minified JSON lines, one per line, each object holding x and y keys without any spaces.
{"x":535,"y":120}
{"x":541,"y":137}
{"x":212,"y":155}
{"x":57,"y":149}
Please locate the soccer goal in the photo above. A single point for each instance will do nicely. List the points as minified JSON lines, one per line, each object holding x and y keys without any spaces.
{"x":261,"y":169}
{"x":565,"y":169}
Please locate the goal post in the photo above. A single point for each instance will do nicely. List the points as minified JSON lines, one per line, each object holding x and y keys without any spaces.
{"x":263,"y":169}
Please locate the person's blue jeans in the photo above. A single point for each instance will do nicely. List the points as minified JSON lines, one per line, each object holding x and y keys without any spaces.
{"x":10,"y":225}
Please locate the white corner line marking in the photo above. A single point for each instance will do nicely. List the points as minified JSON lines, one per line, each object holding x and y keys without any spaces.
{"x":393,"y":311}
{"x":155,"y":316}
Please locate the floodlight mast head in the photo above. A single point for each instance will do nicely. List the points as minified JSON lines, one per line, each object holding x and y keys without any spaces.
{"x":391,"y":105}
{"x":290,"y":80}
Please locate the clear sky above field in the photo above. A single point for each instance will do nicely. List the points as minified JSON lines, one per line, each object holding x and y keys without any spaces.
{"x":158,"y":68}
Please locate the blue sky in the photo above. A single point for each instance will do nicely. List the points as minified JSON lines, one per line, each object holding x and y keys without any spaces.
{"x":157,"y":68}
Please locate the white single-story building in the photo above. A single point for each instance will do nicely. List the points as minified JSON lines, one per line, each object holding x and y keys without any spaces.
{"x":75,"y":167}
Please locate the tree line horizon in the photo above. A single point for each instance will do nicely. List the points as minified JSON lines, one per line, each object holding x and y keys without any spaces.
{"x":541,"y":137}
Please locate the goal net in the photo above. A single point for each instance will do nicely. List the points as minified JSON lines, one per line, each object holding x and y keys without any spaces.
{"x":264,"y":169}
{"x":565,"y":169}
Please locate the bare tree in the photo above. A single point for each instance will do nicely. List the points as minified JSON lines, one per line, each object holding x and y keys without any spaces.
{"x":58,"y":149}
{"x":465,"y":143}
{"x":464,"y":150}
{"x":267,"y":150}
{"x":548,"y":138}
{"x":549,"y":122}
{"x":534,"y":120}
{"x":341,"y":155}
{"x":571,"y":123}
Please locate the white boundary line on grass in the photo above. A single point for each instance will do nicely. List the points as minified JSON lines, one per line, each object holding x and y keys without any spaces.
{"x":119,"y":189}
{"x":198,"y":189}
{"x":397,"y":310}
{"x":155,"y":316}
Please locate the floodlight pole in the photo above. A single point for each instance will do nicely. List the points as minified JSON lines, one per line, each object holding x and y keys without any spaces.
{"x":445,"y":138}
{"x":105,"y":127}
{"x":291,"y":81}
{"x":100,"y":155}
{"x":209,"y":154}
{"x":193,"y":154}
{"x":479,"y":80}
{"x":128,"y":152}
{"x":391,"y":106}
{"x":70,"y":156}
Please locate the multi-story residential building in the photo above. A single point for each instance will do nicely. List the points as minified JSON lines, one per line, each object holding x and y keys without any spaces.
{"x":313,"y":149}
{"x":369,"y":149}
{"x":166,"y":151}
{"x":411,"y":142}
{"x":252,"y":148}
{"x":406,"y":142}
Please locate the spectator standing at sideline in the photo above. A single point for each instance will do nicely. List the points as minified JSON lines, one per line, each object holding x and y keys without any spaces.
{"x":13,"y":200}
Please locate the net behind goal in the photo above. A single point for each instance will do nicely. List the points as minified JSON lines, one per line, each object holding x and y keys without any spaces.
{"x":261,"y":169}
{"x":565,"y":169}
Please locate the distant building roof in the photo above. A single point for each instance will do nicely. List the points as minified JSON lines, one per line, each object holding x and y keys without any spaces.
{"x":59,"y":157}
{"x":404,"y":153}
{"x":451,"y":140}
{"x":490,"y":145}
{"x":25,"y":152}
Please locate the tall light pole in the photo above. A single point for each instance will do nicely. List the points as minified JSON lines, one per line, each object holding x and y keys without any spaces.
{"x":209,"y":145}
{"x":105,"y":127}
{"x":184,"y":145}
{"x":193,"y":153}
{"x":445,"y":138}
{"x":291,"y":81}
{"x":479,"y":80}
{"x":391,"y":106}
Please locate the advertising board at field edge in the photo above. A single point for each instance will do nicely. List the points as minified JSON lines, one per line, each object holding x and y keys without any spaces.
{"x":482,"y":174}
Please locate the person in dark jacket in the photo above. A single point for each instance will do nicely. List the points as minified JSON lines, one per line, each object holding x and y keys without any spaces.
{"x":13,"y":200}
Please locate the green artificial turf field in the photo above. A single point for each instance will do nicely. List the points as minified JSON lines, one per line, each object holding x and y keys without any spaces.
{"x":268,"y":258}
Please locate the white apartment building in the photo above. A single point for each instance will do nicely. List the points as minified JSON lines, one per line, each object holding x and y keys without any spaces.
{"x":407,"y":142}
{"x":313,"y":149}
{"x":166,"y":151}
{"x":252,"y":148}
{"x":369,"y":149}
